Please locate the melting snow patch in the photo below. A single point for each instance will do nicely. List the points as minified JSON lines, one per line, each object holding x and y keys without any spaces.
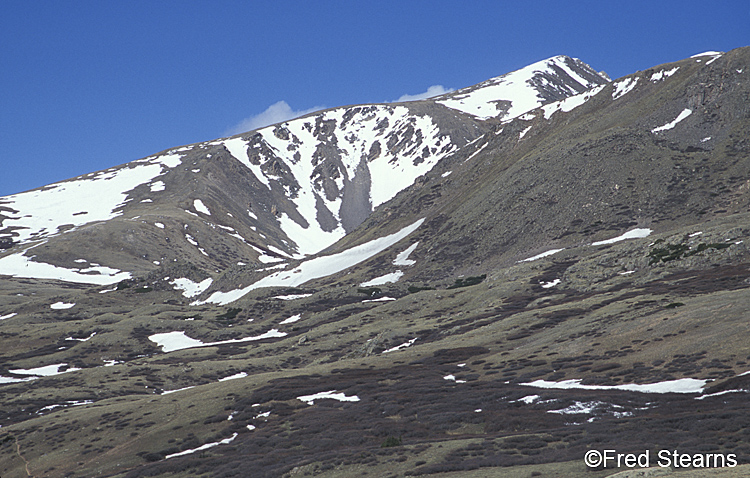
{"x":45,"y":371}
{"x":317,"y":267}
{"x":634,"y":234}
{"x":523,"y":133}
{"x":159,"y":225}
{"x":547,"y":285}
{"x":291,"y":319}
{"x":200,"y":207}
{"x":446,"y":174}
{"x":579,"y":407}
{"x":724,"y":392}
{"x":69,"y":403}
{"x":482,"y":101}
{"x":167,"y":392}
{"x":309,"y":399}
{"x":402,"y":346}
{"x":190,"y":288}
{"x":19,"y":265}
{"x":570,"y":103}
{"x":664,"y":74}
{"x":707,"y":53}
{"x":384,"y":279}
{"x":528,"y":399}
{"x":477,"y":151}
{"x":4,"y":380}
{"x":707,"y":138}
{"x":291,"y":296}
{"x":623,"y":87}
{"x":42,"y":211}
{"x":684,"y":114}
{"x":82,"y":340}
{"x":232,"y":377}
{"x":172,"y":341}
{"x":157,"y":186}
{"x":683,"y":385}
{"x":402,"y":259}
{"x":203,"y":447}
{"x":543,"y":254}
{"x":381,"y":299}
{"x":61,"y":305}
{"x":237,"y":147}
{"x":452,"y":377}
{"x":8,"y":316}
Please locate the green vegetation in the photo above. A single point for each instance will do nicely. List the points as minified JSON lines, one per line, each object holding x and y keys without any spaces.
{"x":469,"y":281}
{"x":230,"y":314}
{"x":672,"y":252}
{"x":391,"y":441}
{"x":414,"y":289}
{"x":369,"y":291}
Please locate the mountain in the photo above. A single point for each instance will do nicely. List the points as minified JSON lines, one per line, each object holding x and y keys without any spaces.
{"x":492,"y":281}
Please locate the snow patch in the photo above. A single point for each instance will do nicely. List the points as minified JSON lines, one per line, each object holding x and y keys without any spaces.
{"x":623,"y":87}
{"x":683,"y":385}
{"x":402,"y":259}
{"x":19,"y":265}
{"x":41,"y":212}
{"x":200,"y":207}
{"x":62,"y":305}
{"x":45,"y":371}
{"x":333,"y":394}
{"x":664,"y":74}
{"x":190,"y":288}
{"x":402,"y":346}
{"x":634,"y":234}
{"x":232,"y":377}
{"x":543,"y":254}
{"x":318,"y":267}
{"x":291,"y":319}
{"x":684,"y":114}
{"x":547,"y":285}
{"x":384,"y":279}
{"x":570,"y":103}
{"x":172,"y":341}
{"x":203,"y":447}
{"x":291,"y":296}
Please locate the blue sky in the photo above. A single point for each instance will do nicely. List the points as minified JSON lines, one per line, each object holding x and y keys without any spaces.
{"x":85,"y":85}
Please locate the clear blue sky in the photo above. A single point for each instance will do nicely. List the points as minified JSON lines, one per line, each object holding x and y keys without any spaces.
{"x":85,"y":85}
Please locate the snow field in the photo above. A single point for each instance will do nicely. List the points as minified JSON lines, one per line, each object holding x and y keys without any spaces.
{"x":318,"y":267}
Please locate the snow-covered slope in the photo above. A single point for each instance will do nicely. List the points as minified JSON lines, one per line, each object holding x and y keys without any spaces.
{"x":516,"y":93}
{"x":278,"y":193}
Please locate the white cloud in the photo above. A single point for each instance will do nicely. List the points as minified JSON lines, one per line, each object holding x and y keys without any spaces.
{"x":434,"y":90}
{"x":276,"y":113}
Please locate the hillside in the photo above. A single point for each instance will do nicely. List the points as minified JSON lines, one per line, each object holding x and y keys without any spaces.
{"x":486,"y":283}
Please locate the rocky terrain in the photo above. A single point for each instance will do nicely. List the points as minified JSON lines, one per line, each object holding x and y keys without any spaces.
{"x":487,"y":283}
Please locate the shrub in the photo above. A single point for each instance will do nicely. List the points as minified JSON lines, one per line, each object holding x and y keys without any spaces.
{"x":369,"y":291}
{"x":391,"y":441}
{"x":469,"y":281}
{"x":414,"y":289}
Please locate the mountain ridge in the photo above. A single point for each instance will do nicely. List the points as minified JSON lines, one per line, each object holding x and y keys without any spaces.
{"x":574,"y":277}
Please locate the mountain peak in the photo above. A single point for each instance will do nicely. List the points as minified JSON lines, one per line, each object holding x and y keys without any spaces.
{"x":513,"y":94}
